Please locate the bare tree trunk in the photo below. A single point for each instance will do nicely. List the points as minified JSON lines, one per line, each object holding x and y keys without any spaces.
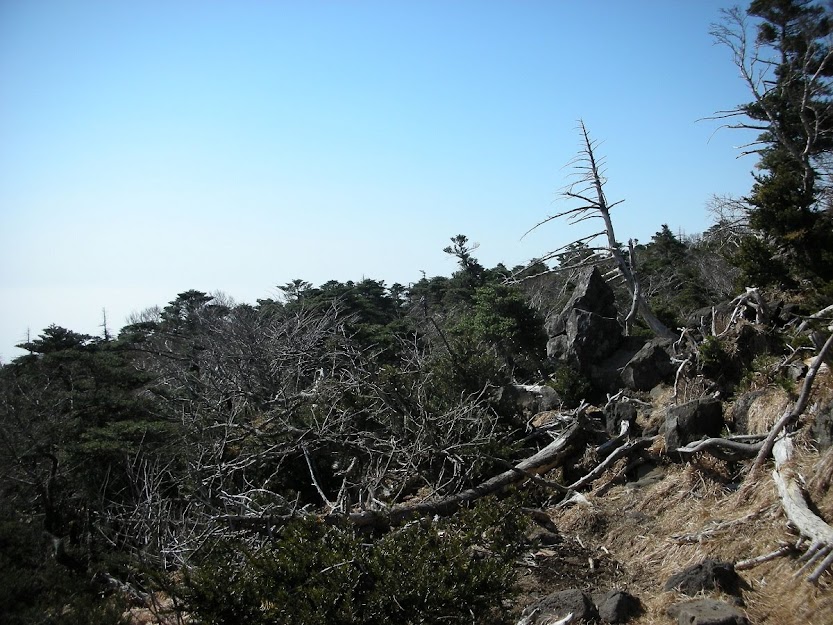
{"x":589,"y":190}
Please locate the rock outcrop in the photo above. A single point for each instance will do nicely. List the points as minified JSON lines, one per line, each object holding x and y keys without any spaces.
{"x":650,"y":366}
{"x":586,"y":331}
{"x":707,"y":575}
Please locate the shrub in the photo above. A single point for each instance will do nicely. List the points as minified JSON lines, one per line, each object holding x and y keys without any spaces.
{"x":454,"y":571}
{"x":570,"y":385}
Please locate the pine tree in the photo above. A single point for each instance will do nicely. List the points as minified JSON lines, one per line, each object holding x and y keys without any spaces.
{"x":788,"y":69}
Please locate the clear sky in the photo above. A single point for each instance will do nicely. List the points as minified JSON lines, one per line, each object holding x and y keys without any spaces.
{"x":151,"y":147}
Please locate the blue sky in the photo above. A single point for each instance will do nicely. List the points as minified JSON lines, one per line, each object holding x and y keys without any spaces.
{"x":153,"y":147}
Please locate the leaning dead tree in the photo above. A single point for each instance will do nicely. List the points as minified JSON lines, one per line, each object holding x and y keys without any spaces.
{"x":588,"y":191}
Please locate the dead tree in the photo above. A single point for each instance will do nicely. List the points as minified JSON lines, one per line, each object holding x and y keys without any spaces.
{"x":588,"y":189}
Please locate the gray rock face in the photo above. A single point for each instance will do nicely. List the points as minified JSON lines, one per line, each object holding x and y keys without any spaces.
{"x":532,"y":399}
{"x":617,"y":413}
{"x":740,"y":410}
{"x":586,"y":330}
{"x":650,"y":366}
{"x":706,"y":612}
{"x":691,"y":421}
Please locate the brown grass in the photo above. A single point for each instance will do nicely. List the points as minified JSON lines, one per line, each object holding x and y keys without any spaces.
{"x":692,"y":514}
{"x":766,"y":410}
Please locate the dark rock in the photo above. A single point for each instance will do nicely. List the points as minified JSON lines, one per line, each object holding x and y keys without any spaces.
{"x":531,"y":399}
{"x":702,"y":318}
{"x":560,"y":604}
{"x":706,"y":612}
{"x":708,"y":575}
{"x":691,"y":421}
{"x":588,"y":338}
{"x":618,"y":412}
{"x":550,"y":399}
{"x":586,"y":331}
{"x":796,"y":371}
{"x":606,"y":375}
{"x":617,"y":606}
{"x":647,"y":475}
{"x":543,"y":536}
{"x":753,"y":341}
{"x":592,"y":294}
{"x":650,"y":366}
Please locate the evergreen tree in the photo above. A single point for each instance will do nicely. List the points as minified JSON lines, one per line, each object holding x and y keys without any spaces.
{"x":793,"y":109}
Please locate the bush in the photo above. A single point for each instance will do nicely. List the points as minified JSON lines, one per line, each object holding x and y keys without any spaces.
{"x":35,"y":589}
{"x":714,"y":359}
{"x":570,"y":385}
{"x":451,"y":571}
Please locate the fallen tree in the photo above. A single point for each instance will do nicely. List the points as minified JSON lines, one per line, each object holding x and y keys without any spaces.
{"x":819,"y":555}
{"x":548,"y":457}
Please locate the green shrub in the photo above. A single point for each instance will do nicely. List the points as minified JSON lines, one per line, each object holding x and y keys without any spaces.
{"x":714,"y":359}
{"x":570,"y":385}
{"x":452,"y":571}
{"x":35,"y":589}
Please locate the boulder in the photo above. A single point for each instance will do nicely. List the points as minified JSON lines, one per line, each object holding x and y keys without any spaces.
{"x":708,"y":575}
{"x":822,"y":429}
{"x":586,"y":331}
{"x":559,"y":604}
{"x":606,"y":376}
{"x":617,"y":606}
{"x":692,"y":421}
{"x":616,"y":413}
{"x":591,"y":293}
{"x":588,"y":339}
{"x":706,"y":612}
{"x":740,"y":410}
{"x":650,"y":366}
{"x":532,"y":399}
{"x":542,"y":536}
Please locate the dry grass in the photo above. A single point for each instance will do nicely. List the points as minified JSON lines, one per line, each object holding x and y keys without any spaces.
{"x":692,"y":514}
{"x":766,"y":410}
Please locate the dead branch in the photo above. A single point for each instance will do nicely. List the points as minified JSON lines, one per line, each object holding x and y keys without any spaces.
{"x":819,"y":556}
{"x":793,"y":414}
{"x":589,"y":191}
{"x":541,"y":462}
{"x":723,"y":448}
{"x":783,"y":550}
{"x":627,"y":449}
{"x":714,"y":528}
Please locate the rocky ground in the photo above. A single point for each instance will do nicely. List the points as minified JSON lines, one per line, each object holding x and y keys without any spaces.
{"x":634,"y":530}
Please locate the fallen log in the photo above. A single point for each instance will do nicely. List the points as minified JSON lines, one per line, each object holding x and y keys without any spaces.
{"x":635,"y":445}
{"x":819,"y":556}
{"x":791,"y":415}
